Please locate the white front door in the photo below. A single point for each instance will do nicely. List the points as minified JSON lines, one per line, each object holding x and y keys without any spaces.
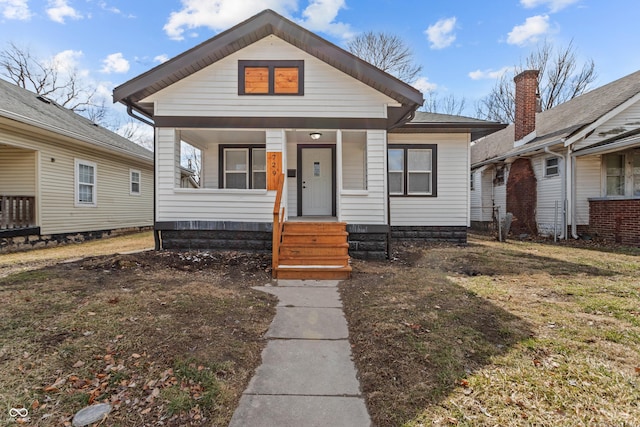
{"x":317,"y":173}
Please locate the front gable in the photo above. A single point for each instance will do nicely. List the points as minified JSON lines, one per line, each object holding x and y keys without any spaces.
{"x":620,"y":124}
{"x":271,"y":26}
{"x":217,"y":90}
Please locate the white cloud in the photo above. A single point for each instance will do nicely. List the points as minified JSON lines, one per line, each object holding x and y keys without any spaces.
{"x":15,"y":9}
{"x":66,"y":62}
{"x":488,"y":74}
{"x":441,"y":33}
{"x":161,"y":58}
{"x":320,"y":16}
{"x":554,"y":5}
{"x":530,"y":31}
{"x":115,"y":63}
{"x":220,"y":14}
{"x":59,"y":10}
{"x":424,"y":85}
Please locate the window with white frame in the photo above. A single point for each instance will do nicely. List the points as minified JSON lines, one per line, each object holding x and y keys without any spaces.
{"x":85,"y":185}
{"x":411,"y":170}
{"x":134,"y":182}
{"x":471,"y":179}
{"x":551,"y":167}
{"x":243,"y":167}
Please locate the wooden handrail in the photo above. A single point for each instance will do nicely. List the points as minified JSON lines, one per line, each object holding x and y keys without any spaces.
{"x":17,"y":212}
{"x":278,"y":224}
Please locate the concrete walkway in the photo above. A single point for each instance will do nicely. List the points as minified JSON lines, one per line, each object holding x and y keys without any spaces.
{"x":307,"y":377}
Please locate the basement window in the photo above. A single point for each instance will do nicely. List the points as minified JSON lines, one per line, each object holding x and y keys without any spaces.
{"x":270,"y":77}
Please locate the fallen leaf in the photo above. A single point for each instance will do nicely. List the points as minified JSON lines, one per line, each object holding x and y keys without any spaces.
{"x":136,"y":356}
{"x":78,"y":364}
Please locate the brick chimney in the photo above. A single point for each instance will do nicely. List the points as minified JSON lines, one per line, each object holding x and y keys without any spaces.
{"x":526,"y":103}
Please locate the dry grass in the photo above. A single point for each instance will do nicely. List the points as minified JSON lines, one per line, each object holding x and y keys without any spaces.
{"x":168,"y":339}
{"x":15,"y":261}
{"x":499,"y":334}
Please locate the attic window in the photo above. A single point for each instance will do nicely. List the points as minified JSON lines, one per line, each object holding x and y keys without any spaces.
{"x":270,"y":77}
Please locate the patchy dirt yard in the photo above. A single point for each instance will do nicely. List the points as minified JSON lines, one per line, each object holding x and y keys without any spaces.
{"x":498,"y":334}
{"x":508,"y":334}
{"x":168,"y":339}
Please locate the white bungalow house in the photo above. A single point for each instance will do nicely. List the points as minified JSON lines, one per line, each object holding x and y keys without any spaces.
{"x":64,"y":178}
{"x":573,"y":169}
{"x":292,"y":125}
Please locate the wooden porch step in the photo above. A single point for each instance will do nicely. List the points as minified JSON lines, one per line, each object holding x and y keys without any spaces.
{"x":314,"y":250}
{"x":342,"y":260}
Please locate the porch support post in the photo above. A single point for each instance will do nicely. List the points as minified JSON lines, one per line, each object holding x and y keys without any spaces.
{"x":338,"y":172}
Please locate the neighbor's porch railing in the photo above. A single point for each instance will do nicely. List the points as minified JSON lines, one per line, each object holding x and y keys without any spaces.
{"x":17,"y":212}
{"x":278,"y":224}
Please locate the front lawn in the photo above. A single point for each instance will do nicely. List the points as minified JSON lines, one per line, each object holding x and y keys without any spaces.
{"x":506,"y":334}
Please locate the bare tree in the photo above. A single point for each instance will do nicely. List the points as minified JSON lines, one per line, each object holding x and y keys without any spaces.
{"x":448,"y":104}
{"x":387,"y":52}
{"x":561,"y":78}
{"x":45,"y":78}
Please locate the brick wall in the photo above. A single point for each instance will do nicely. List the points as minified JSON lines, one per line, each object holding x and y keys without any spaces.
{"x":616,"y":220}
{"x":522,"y":197}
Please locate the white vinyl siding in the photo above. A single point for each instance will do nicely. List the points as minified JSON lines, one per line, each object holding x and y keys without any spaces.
{"x":450,"y":207}
{"x":17,"y":171}
{"x":213,"y":91}
{"x":368,"y":207}
{"x":549,"y":192}
{"x":55,"y":191}
{"x":588,"y":185}
{"x":354,"y":161}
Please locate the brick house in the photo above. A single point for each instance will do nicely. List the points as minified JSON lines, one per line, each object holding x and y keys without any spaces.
{"x":573,"y":169}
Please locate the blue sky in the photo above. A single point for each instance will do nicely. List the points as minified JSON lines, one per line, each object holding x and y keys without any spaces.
{"x":462,"y":45}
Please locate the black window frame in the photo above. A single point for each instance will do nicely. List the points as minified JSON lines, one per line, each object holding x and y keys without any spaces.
{"x":221,"y":170}
{"x":271,"y":65}
{"x":434,"y":168}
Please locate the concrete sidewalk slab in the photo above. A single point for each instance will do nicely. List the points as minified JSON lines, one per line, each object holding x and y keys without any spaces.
{"x":304,"y":297}
{"x":309,"y":323}
{"x":297,"y":411}
{"x":306,"y":367}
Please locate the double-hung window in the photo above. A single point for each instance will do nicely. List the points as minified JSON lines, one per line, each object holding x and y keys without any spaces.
{"x":270,"y":77}
{"x":243,"y":167}
{"x":622,"y":174}
{"x":551,"y":166}
{"x":85,"y":183}
{"x":412,"y":170}
{"x":134,"y":182}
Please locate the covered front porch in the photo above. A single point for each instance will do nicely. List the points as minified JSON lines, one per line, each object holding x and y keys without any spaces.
{"x":17,"y":191}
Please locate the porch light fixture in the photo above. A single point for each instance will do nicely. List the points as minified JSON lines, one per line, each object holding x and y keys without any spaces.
{"x":315,"y":135}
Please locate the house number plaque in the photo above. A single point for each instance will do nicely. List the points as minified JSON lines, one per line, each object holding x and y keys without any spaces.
{"x":274,"y":169}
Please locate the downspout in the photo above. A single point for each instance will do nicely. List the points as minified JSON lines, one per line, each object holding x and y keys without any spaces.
{"x":156,"y":233}
{"x":563,"y":177}
{"x":574,"y":226}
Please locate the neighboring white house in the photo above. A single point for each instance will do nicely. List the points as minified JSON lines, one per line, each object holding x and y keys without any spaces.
{"x":268,"y":98}
{"x":63,"y":177}
{"x":573,"y":169}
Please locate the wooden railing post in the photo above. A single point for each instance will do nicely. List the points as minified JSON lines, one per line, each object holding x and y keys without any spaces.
{"x":278,"y":222}
{"x":17,"y":212}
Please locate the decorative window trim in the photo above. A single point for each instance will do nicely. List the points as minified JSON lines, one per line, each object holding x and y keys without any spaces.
{"x":272,"y":66}
{"x":548,"y":169}
{"x":221,"y":164}
{"x":406,"y":172}
{"x":132,"y":191}
{"x":93,"y":185}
